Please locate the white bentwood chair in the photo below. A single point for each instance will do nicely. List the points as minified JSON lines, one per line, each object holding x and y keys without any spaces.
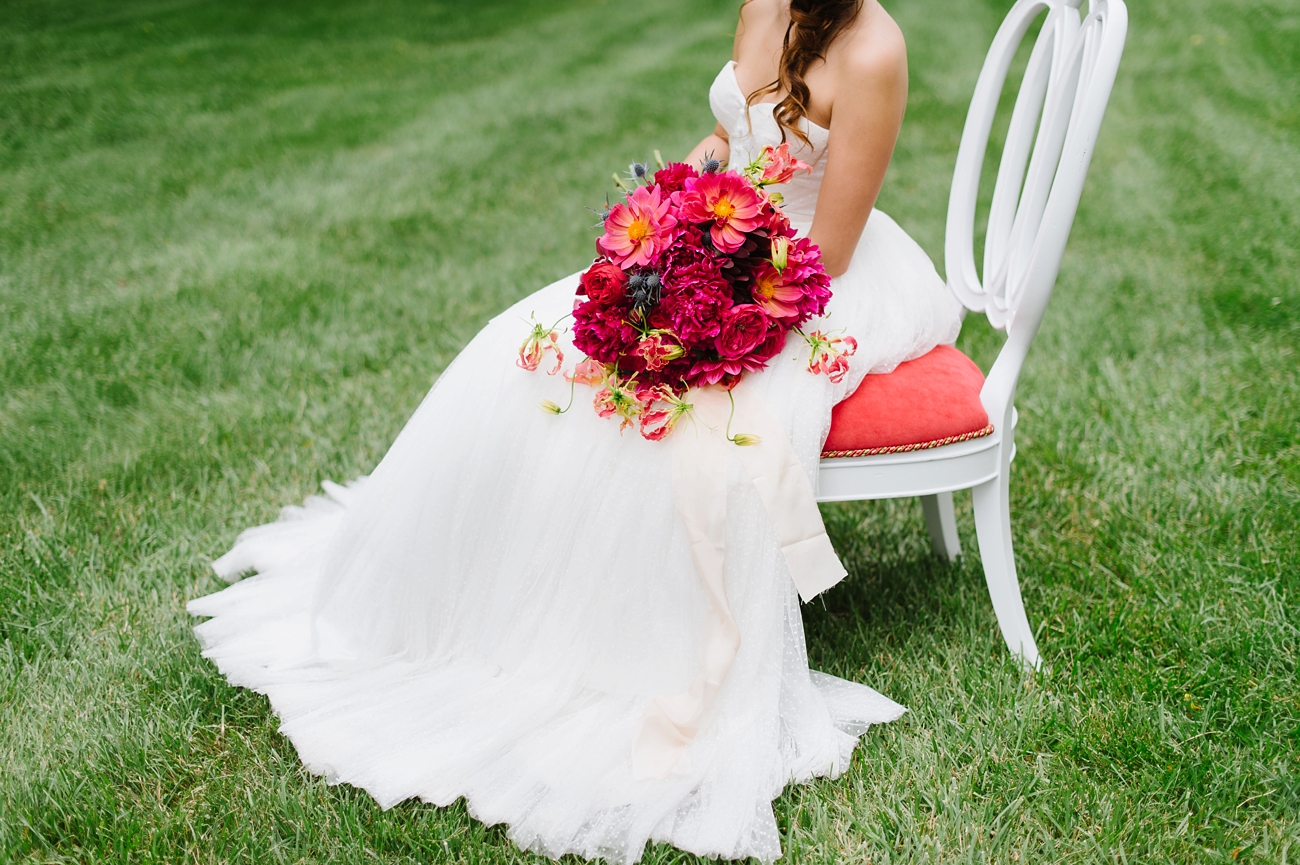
{"x":1066,"y":84}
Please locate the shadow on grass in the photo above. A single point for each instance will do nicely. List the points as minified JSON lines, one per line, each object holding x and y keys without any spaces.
{"x":898,"y":598}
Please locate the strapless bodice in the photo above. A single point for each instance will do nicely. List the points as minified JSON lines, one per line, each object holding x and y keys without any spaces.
{"x":752,"y":127}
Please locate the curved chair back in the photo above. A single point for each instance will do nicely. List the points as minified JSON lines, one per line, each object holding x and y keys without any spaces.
{"x":1053,"y":128}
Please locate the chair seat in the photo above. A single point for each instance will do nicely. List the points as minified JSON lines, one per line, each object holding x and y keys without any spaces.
{"x":925,"y":403}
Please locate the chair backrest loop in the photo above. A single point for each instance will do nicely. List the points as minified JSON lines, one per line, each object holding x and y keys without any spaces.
{"x":1054,"y":125}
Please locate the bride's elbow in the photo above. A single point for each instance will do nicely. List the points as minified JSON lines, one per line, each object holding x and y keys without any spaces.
{"x":835,"y":264}
{"x":836,"y":248}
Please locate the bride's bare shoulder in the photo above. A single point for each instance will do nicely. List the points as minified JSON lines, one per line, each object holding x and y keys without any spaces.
{"x":758,"y":19}
{"x":760,"y":11}
{"x":872,"y":48}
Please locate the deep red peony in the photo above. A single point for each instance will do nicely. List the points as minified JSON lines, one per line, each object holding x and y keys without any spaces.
{"x":672,"y":177}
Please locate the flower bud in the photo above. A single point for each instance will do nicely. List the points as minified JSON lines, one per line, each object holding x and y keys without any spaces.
{"x":745,"y":440}
{"x":780,"y":252}
{"x":552,"y":408}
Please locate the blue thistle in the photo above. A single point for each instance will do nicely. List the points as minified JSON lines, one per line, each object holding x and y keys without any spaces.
{"x":637,"y":171}
{"x":603,"y":214}
{"x":643,"y":289}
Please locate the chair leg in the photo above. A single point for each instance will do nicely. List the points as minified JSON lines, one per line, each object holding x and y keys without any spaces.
{"x":942,"y":523}
{"x":993,"y":529}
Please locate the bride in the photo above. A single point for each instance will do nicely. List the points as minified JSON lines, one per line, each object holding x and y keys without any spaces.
{"x":512,"y":608}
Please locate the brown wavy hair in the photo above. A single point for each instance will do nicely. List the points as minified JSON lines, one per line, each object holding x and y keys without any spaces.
{"x":814,"y":24}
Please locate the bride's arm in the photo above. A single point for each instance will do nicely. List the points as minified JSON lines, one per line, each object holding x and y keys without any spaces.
{"x":714,"y":145}
{"x":870,"y":95}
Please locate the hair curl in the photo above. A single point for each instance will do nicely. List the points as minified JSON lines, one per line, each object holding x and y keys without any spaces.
{"x":814,"y":24}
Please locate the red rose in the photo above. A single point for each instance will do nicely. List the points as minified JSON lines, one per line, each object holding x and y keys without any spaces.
{"x":744,"y":327}
{"x":672,"y":177}
{"x":772,"y":343}
{"x":605,"y":283}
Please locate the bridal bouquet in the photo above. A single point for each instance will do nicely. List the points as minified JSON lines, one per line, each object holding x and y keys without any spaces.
{"x":700,"y":279}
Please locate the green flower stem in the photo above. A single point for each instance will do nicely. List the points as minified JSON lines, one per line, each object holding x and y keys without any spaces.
{"x":739,"y":439}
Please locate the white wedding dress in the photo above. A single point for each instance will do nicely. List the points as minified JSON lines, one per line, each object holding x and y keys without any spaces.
{"x":489,"y":613}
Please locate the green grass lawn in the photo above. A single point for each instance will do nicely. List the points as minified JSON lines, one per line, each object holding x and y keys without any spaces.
{"x":238,"y":240}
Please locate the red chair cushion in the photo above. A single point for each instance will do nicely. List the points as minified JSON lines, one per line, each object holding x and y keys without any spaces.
{"x":925,"y":403}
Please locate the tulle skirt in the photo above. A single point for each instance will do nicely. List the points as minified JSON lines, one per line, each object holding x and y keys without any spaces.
{"x":489,"y":613}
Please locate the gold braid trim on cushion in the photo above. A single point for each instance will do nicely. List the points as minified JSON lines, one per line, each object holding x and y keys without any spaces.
{"x":902,"y":449}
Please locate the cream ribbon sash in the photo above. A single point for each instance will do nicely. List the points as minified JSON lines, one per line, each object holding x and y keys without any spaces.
{"x":700,"y":457}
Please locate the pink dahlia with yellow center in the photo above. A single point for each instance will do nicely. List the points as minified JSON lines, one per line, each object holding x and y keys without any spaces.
{"x":778,"y":291}
{"x":726,"y":200}
{"x":638,"y":230}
